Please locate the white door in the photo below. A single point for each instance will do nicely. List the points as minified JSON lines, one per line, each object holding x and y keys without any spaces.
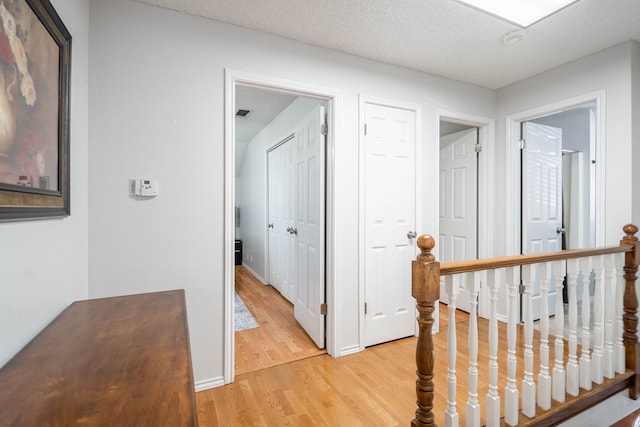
{"x":308,"y":229}
{"x":541,"y":197}
{"x":282,"y":195}
{"x":458,"y":204}
{"x":389,"y":171}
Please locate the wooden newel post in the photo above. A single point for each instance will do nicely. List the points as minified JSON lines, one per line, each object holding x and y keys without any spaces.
{"x":425,"y":284}
{"x":630,"y":315}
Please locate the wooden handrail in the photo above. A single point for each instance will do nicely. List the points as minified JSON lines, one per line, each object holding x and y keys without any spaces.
{"x":450,"y":268}
{"x":426,"y":272}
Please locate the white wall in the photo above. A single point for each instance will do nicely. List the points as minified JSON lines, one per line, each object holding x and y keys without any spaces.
{"x":156,"y":100}
{"x":608,"y":70}
{"x":251,"y":184}
{"x":43,"y":263}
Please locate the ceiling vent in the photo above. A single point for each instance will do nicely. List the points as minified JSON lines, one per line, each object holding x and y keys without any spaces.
{"x":242,"y":113}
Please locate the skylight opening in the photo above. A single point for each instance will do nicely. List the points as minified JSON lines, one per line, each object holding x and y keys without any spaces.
{"x":520,"y":12}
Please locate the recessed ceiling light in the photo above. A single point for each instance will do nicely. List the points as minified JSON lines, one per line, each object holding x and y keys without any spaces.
{"x":520,"y":12}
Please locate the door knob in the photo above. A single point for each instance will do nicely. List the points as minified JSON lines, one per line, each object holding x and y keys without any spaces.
{"x":412,"y":235}
{"x":294,"y":231}
{"x":289,"y":230}
{"x":270,"y":225}
{"x":560,"y":230}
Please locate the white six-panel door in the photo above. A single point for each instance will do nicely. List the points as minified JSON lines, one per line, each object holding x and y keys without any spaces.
{"x":390,"y":214}
{"x":310,"y":225}
{"x":458,"y":203}
{"x":541,"y":197}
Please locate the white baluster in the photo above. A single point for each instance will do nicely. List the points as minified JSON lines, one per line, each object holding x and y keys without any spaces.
{"x":618,"y":348}
{"x":473,"y":407}
{"x":511,"y":391}
{"x":544,"y":379}
{"x":451,"y":414}
{"x":558,"y":375}
{"x":609,"y":314}
{"x":596,"y":357}
{"x":573,"y":381}
{"x":528,"y":385}
{"x":493,"y":398}
{"x":585,"y":355}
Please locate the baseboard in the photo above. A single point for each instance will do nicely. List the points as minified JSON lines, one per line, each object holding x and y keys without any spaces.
{"x":252,"y":271}
{"x":210,"y":383}
{"x":349,"y":350}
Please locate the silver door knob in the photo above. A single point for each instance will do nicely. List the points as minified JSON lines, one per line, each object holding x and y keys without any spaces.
{"x":560,"y":230}
{"x":412,"y":235}
{"x":293,"y":230}
{"x":270,"y":225}
{"x":289,"y":230}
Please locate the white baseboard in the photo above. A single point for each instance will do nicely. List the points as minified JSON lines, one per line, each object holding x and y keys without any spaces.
{"x":257,"y":276}
{"x":210,"y":383}
{"x":349,"y":350}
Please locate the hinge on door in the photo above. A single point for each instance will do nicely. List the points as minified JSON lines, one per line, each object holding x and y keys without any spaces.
{"x":365,"y":129}
{"x":522,"y":289}
{"x":324,"y":129}
{"x":523,"y":144}
{"x":323,"y":309}
{"x":365,"y":308}
{"x":478,"y":148}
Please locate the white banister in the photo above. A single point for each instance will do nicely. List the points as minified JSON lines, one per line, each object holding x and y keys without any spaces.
{"x":596,"y":356}
{"x":528,"y":385}
{"x":544,"y":379}
{"x":585,"y":354}
{"x":511,"y":391}
{"x":609,"y":314}
{"x":451,"y":417}
{"x":493,"y":398}
{"x":573,"y":383}
{"x":473,"y":407}
{"x":618,"y":349}
{"x":558,"y":375}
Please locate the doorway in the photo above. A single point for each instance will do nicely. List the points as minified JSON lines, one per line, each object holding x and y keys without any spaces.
{"x":479,"y":145}
{"x":257,"y":252}
{"x":585,"y":196}
{"x":458,"y":217}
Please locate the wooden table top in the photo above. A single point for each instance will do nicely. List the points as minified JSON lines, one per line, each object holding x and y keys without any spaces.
{"x":122,"y":361}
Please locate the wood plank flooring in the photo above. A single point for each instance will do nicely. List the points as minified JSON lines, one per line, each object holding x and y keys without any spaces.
{"x":375,"y":387}
{"x":278,"y":339}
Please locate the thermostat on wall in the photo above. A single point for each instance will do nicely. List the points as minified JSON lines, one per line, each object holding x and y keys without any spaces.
{"x":143,"y":187}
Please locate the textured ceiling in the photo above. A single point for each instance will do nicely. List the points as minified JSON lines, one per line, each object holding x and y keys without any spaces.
{"x":440,"y":37}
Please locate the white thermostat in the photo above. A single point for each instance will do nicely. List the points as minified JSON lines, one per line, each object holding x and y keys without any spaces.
{"x":143,"y":187}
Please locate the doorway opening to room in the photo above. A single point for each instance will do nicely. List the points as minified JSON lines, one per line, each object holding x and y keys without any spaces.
{"x":559,"y":190}
{"x":276,"y":287}
{"x":465,"y":207}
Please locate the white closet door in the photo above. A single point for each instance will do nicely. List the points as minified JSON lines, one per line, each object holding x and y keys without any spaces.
{"x":390,"y":211}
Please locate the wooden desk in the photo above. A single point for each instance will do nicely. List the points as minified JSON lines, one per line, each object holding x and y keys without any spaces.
{"x":122,"y":361}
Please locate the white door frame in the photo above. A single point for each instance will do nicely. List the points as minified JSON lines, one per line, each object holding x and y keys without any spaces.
{"x":417,"y":109}
{"x":239,"y":78}
{"x":486,"y":138}
{"x":513,"y":187}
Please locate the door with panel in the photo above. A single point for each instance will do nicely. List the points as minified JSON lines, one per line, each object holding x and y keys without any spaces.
{"x":282,"y":193}
{"x":309,"y":226}
{"x":458,"y":205}
{"x":541,"y":197}
{"x":390,"y":222}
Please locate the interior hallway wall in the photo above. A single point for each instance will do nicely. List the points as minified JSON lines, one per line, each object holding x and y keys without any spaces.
{"x":157,"y":108}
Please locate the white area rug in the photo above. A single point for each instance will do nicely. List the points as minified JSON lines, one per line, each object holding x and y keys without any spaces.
{"x":242,"y":316}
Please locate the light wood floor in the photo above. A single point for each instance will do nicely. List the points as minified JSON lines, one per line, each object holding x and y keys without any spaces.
{"x":279,"y":338}
{"x":375,"y":387}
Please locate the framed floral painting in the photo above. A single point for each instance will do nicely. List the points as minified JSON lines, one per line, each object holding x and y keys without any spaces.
{"x":35,"y":53}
